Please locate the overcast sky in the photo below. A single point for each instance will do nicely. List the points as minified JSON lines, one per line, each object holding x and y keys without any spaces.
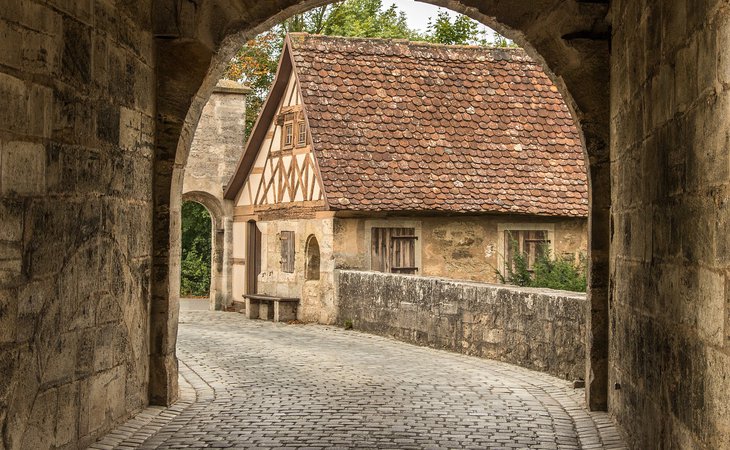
{"x":418,"y":13}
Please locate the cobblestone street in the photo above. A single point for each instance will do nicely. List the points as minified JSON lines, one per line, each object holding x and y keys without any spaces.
{"x":256,"y":384}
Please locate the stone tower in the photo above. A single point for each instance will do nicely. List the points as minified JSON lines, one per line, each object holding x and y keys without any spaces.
{"x":217,"y":145}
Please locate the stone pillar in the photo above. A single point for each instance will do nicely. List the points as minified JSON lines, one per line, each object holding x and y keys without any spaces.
{"x":669,"y":361}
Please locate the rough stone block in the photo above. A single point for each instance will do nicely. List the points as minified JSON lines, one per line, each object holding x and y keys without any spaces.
{"x":11,"y":44}
{"x":40,"y":52}
{"x":106,"y":397}
{"x":711,"y":307}
{"x":42,"y":421}
{"x":130,"y":126}
{"x":76,"y":59}
{"x":67,"y":414}
{"x":8,"y":317}
{"x":23,"y":168}
{"x":60,"y":359}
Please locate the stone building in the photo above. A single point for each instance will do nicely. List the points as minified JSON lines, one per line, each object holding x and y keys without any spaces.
{"x":216,"y":148}
{"x":407,"y":158}
{"x":100,"y":100}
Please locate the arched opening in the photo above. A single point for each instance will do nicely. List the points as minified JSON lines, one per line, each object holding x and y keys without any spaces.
{"x":311,"y":259}
{"x":202,"y":257}
{"x":196,"y":249}
{"x":577,"y":64}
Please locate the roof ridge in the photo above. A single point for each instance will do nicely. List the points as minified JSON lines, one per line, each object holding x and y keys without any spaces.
{"x":407,"y":42}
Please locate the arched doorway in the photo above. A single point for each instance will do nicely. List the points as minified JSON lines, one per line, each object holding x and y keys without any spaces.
{"x":196,"y":251}
{"x":219,"y":258}
{"x":570,"y":41}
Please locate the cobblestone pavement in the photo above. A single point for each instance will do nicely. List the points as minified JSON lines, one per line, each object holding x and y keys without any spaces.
{"x":256,"y":384}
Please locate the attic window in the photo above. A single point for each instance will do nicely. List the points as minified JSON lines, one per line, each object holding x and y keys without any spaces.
{"x":301,"y":131}
{"x":287,"y":135}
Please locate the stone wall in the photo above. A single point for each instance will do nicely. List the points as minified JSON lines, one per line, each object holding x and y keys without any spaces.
{"x":97,"y":117}
{"x":670,"y":313}
{"x":461,"y":247}
{"x":317,"y":297}
{"x":540,"y":329}
{"x":77,"y":132}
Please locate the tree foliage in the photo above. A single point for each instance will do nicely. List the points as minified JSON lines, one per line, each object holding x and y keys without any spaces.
{"x":552,"y":273}
{"x":196,"y":248}
{"x":255,"y":64}
{"x":461,"y":31}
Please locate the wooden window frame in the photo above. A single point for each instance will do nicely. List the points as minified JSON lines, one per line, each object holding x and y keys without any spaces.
{"x":288,"y":121}
{"x":287,"y":243}
{"x":503,"y":229}
{"x":528,"y":243}
{"x":394,"y":249}
{"x":301,"y":128}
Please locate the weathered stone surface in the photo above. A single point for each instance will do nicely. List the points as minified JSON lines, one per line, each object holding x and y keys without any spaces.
{"x":67,"y":68}
{"x":75,"y":219}
{"x":669,"y":257}
{"x":539,"y":329}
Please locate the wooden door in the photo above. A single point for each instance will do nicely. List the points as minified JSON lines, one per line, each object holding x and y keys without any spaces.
{"x":253,"y":257}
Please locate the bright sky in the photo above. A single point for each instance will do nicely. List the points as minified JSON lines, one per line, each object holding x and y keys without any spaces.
{"x":418,"y":13}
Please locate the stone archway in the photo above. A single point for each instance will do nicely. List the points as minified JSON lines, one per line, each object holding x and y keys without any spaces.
{"x":570,"y":39}
{"x":99,"y":97}
{"x":221,"y":229}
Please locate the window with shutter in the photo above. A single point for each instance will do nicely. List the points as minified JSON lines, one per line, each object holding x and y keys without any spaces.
{"x":532,"y":243}
{"x":393,"y":250}
{"x":287,"y":251}
{"x":301,"y":131}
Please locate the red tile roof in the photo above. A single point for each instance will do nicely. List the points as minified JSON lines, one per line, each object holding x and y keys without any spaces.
{"x":404,"y":126}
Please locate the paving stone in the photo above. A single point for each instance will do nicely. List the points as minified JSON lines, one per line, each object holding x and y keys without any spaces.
{"x":257,"y":384}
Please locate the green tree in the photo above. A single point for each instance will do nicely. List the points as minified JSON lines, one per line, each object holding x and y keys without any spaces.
{"x":196,"y":248}
{"x":367,"y":18}
{"x":461,"y":31}
{"x":256,"y":62}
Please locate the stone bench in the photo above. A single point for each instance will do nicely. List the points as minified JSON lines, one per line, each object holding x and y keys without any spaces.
{"x":269,"y":307}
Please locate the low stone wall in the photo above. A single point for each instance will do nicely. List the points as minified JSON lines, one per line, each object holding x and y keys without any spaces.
{"x":540,"y":329}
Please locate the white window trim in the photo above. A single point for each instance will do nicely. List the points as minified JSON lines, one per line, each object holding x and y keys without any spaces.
{"x":415,"y":224}
{"x":502,"y":227}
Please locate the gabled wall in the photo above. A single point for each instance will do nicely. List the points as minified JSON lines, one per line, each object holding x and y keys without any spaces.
{"x":281,"y":177}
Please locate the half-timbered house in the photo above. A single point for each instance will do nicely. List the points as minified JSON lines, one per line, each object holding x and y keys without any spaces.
{"x":404,"y":157}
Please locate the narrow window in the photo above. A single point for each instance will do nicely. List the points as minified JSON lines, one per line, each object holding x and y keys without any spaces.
{"x":287,"y":135}
{"x":312,"y":260}
{"x":393,"y":250}
{"x":287,"y":251}
{"x":301,"y":132}
{"x":532,"y":244}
